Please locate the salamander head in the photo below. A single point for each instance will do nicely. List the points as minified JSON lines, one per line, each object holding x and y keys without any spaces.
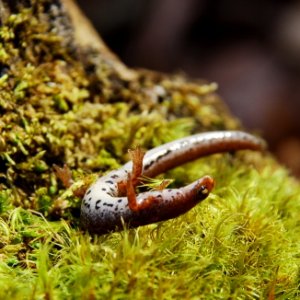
{"x":204,"y":186}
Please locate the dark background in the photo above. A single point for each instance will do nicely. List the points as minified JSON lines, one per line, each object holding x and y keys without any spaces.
{"x":251,"y":48}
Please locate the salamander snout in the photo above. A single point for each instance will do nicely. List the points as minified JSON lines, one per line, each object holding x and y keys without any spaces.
{"x":204,"y":187}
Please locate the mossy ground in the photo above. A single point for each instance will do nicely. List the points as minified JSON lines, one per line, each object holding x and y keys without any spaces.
{"x":240,"y":243}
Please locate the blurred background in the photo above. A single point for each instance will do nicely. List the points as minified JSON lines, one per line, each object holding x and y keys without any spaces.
{"x":251,"y":48}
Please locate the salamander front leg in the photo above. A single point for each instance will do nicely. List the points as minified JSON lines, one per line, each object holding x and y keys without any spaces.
{"x":137,"y":156}
{"x":132,"y":200}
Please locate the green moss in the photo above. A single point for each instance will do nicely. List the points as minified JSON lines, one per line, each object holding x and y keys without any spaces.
{"x":53,"y":110}
{"x":240,"y":243}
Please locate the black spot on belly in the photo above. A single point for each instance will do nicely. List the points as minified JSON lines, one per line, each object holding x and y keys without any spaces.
{"x":103,"y":189}
{"x":114,"y":176}
{"x":88,"y":192}
{"x":109,"y":182}
{"x":116,"y":208}
{"x":97,"y":204}
{"x":120,"y":200}
{"x":108,"y":204}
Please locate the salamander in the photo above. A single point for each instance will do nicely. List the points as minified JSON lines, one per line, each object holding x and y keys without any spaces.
{"x":111,"y":202}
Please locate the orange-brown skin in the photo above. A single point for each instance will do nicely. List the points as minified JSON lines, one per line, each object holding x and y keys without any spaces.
{"x":112,"y":201}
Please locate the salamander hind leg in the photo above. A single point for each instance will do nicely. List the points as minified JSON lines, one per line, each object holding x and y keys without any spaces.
{"x":64,"y":174}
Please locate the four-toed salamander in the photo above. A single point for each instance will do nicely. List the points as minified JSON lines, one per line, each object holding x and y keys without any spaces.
{"x":111,"y":200}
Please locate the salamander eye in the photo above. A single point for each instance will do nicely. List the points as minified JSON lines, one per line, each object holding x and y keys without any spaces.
{"x":203,"y":191}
